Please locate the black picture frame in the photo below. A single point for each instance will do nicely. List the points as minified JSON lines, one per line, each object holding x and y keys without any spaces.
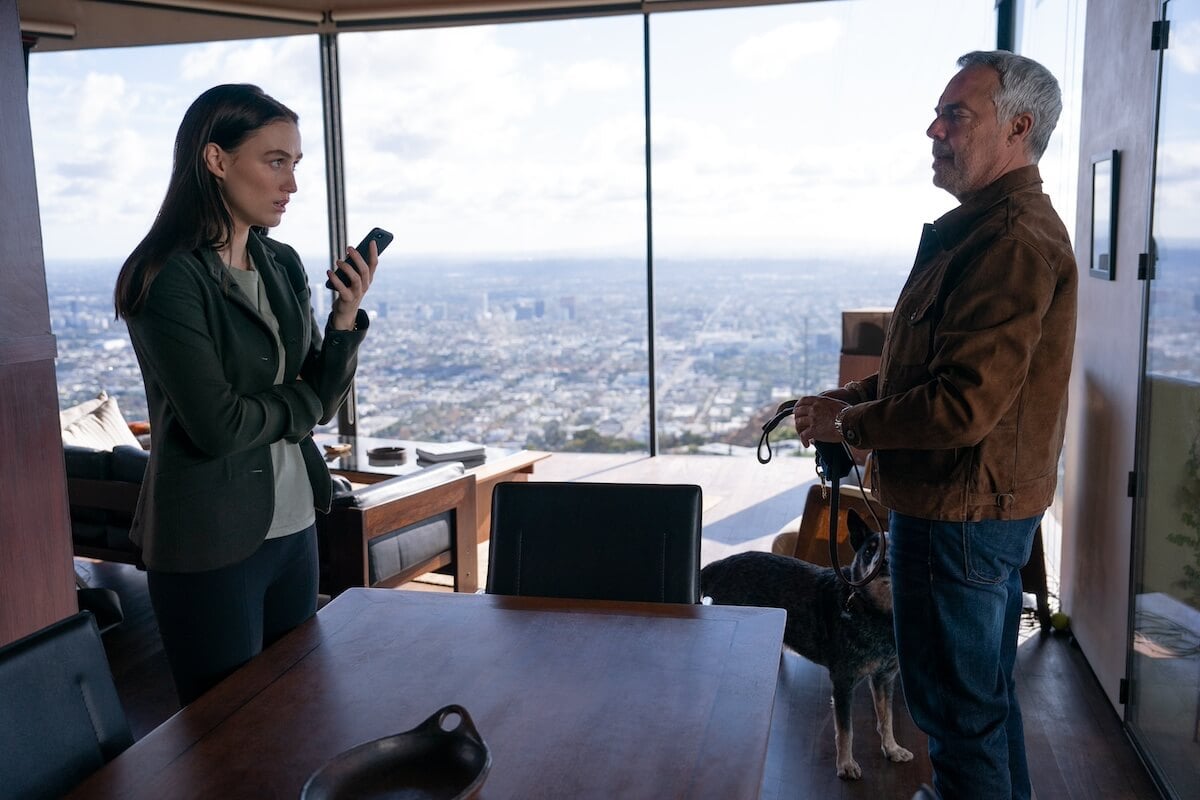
{"x":1106,"y":175}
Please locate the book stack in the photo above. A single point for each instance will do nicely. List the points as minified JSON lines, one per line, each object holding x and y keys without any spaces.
{"x":470,"y":453}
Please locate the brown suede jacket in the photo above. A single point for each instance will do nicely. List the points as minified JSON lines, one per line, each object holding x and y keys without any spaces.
{"x":967,"y":412}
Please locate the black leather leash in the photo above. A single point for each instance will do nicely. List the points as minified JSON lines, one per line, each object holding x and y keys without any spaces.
{"x":834,"y":462}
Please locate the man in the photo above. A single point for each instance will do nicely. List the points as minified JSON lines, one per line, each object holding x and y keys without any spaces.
{"x":966,"y":418}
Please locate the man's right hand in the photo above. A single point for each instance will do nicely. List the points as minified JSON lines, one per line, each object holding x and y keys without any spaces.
{"x":813,"y":417}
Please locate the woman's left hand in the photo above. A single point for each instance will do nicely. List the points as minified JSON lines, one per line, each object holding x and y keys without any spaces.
{"x":359,"y":269}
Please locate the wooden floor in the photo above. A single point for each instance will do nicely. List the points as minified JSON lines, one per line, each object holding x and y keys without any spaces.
{"x":1077,"y":748}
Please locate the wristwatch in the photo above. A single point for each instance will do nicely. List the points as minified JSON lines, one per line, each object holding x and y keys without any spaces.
{"x":847,"y":434}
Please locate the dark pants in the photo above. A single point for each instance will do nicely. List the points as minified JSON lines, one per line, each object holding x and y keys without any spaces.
{"x":956,"y":591}
{"x":212,"y":622}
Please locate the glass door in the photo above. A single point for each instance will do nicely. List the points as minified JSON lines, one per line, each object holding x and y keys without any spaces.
{"x":1163,"y":709}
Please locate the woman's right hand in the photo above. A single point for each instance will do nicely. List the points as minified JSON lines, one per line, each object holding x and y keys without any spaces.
{"x":359,"y":271}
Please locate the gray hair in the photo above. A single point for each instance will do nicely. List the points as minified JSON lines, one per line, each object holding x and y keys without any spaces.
{"x":1025,"y":87}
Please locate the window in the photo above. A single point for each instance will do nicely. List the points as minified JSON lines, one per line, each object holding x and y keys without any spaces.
{"x":509,"y":162}
{"x":104,"y":124}
{"x":789,"y":172}
{"x":791,"y":178}
{"x":1052,"y":34}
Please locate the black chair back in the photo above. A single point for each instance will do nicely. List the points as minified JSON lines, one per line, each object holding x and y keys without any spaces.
{"x":597,"y":541}
{"x":62,"y":719}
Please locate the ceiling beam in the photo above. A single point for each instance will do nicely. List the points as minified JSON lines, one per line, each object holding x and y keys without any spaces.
{"x":272,"y":13}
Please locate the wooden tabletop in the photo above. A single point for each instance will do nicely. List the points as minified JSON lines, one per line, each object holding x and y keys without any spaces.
{"x":359,"y":465}
{"x":575,"y":699}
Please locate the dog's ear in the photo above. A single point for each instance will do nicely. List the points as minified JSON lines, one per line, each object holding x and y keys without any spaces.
{"x":859,"y":532}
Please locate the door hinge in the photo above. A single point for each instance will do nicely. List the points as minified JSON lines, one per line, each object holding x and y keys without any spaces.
{"x":1123,"y":692}
{"x":1160,"y":32}
{"x":1131,"y":485}
{"x":1145,"y":267}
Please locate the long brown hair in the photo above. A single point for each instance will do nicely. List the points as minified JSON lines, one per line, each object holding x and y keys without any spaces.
{"x":193,"y":214}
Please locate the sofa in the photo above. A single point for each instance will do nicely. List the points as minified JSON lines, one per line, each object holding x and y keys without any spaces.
{"x":379,"y":535}
{"x":105,"y":463}
{"x":102,"y":489}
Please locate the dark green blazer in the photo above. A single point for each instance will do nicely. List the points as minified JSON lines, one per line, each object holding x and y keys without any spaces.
{"x":209,"y":362}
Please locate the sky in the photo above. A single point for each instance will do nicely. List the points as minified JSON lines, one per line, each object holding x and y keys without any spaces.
{"x":1177,"y":188}
{"x":784,"y":131}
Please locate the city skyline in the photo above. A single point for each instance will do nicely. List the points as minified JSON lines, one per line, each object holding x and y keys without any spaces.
{"x":494,"y":355}
{"x":535,"y":353}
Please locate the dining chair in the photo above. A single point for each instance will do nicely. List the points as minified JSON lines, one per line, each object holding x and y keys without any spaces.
{"x":597,"y":541}
{"x":807,"y":537}
{"x":62,"y":717}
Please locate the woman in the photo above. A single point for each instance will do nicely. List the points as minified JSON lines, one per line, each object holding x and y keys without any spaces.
{"x":237,"y":373}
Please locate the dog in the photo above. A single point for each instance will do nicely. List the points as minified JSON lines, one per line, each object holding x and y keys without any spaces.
{"x":845,"y":630}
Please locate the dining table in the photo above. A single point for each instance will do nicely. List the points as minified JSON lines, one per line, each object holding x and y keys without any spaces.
{"x":573,"y":699}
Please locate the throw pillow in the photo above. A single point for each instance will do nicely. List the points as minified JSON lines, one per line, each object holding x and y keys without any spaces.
{"x":101,"y":428}
{"x":69,"y":415}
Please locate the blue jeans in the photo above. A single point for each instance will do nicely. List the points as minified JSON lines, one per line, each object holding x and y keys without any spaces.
{"x":956,"y":590}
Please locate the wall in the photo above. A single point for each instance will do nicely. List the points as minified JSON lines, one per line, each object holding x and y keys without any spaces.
{"x":37,"y":580}
{"x":1118,"y":112}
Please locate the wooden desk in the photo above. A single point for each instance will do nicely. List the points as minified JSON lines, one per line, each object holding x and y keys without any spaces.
{"x":576,"y":699}
{"x":500,"y":465}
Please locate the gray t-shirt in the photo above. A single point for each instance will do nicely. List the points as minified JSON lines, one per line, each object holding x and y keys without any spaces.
{"x":293,"y":492}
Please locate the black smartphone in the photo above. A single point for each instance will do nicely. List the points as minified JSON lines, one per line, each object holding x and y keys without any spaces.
{"x":380,"y":237}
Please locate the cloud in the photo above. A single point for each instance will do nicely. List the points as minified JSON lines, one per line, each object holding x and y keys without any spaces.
{"x":527,"y":138}
{"x":104,"y":125}
{"x":103,"y":96}
{"x":472,"y":144}
{"x":1178,"y":160}
{"x":585,"y":77}
{"x":771,"y":55}
{"x":1177,"y":189}
{"x":422,"y":112}
{"x":287,"y":69}
{"x":1184,"y":49}
{"x":85,"y":170}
